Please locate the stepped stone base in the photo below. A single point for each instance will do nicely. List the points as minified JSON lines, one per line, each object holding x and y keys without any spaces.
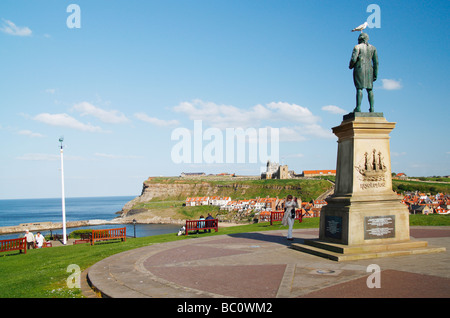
{"x":341,"y":252}
{"x":364,"y":218}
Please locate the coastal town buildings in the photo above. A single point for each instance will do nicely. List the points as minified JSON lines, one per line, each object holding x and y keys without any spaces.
{"x":261,"y":207}
{"x":421,"y":203}
{"x":418,"y":203}
{"x":214,"y":200}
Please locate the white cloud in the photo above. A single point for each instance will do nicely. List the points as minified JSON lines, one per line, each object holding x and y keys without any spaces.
{"x":291,"y":113}
{"x":291,"y":134}
{"x":10,"y":28}
{"x":64,"y":120}
{"x":30,"y":133}
{"x":316,"y":130}
{"x":390,"y":84}
{"x":227,"y":116}
{"x":50,"y":91}
{"x":156,"y":121}
{"x":218,"y":116}
{"x":334,"y":109}
{"x":106,"y":116}
{"x":295,"y":122}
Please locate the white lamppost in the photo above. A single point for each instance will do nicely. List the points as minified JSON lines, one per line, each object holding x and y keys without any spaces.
{"x":62,"y":189}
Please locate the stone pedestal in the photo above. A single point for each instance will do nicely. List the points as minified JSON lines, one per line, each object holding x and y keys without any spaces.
{"x":364,"y":209}
{"x":364,"y":216}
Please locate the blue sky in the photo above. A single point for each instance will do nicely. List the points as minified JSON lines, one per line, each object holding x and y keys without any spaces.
{"x":118,"y":87}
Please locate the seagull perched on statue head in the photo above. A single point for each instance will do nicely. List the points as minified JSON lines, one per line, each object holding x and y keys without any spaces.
{"x":361,"y":27}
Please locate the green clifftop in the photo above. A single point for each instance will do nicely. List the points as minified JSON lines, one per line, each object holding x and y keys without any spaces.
{"x":162,"y":198}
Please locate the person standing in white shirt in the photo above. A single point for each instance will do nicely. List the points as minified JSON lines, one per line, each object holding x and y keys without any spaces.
{"x":39,"y":240}
{"x":289,"y":214}
{"x":30,"y":239}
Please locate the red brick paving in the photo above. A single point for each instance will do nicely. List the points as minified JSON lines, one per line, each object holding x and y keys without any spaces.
{"x":182,"y":266}
{"x":242,"y":281}
{"x":394,"y":284}
{"x":188,"y":253}
{"x":424,"y":233}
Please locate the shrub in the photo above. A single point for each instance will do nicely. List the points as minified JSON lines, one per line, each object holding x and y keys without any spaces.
{"x":77,"y":233}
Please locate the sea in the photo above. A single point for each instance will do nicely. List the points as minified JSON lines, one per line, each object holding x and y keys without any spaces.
{"x":17,"y":211}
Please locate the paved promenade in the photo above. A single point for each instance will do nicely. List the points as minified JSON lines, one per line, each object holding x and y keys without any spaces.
{"x":261,"y":265}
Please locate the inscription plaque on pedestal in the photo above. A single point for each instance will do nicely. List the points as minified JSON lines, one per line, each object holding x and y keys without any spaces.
{"x":333,"y":226}
{"x":379,"y":227}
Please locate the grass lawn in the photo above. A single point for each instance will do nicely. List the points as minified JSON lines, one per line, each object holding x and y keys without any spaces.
{"x":43,"y":273}
{"x":429,"y":220}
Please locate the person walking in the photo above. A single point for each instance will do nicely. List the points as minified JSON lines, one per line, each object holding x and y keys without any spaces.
{"x":39,"y":240}
{"x":30,"y":239}
{"x":289,"y":214}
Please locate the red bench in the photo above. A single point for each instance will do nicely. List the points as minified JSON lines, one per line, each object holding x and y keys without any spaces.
{"x":84,"y":238}
{"x":278,"y":216}
{"x":109,"y":234}
{"x":14,"y":245}
{"x":81,"y":241}
{"x":196,"y":225}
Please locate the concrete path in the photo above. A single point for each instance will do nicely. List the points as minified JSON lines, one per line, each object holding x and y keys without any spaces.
{"x":261,"y":265}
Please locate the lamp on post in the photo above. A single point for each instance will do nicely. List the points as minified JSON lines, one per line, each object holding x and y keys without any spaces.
{"x":62,"y":191}
{"x":134,"y":225}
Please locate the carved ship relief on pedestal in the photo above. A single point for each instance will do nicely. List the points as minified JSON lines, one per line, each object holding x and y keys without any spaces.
{"x":372,"y":173}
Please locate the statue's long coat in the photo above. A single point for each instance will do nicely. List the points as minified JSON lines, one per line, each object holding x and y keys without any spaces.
{"x":364,"y":62}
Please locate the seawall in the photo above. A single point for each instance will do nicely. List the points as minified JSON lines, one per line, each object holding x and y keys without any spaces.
{"x":45,"y":226}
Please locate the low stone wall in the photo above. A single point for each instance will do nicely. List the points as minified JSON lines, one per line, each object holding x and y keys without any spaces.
{"x":44,"y":226}
{"x":141,"y":219}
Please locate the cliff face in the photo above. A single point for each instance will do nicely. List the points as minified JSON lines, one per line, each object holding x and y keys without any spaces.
{"x":178,"y":189}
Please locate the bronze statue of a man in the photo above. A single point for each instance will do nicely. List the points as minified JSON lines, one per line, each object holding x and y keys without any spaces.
{"x":364,"y":63}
